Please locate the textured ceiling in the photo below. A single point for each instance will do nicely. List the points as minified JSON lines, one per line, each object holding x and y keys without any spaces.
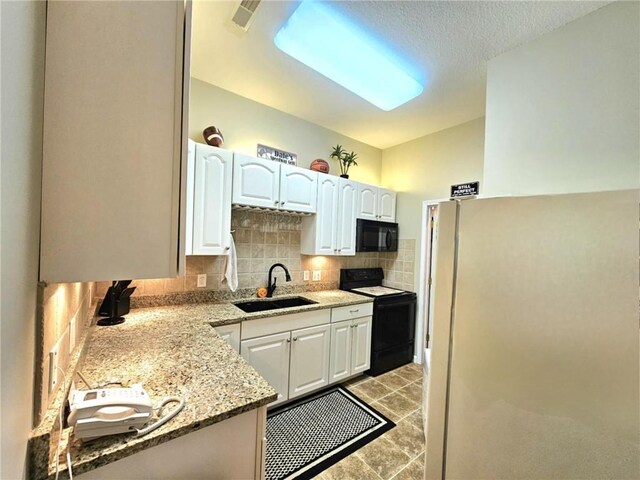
{"x":448,"y":42}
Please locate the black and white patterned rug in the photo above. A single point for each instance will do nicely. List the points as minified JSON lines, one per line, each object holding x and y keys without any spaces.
{"x":308,"y":436}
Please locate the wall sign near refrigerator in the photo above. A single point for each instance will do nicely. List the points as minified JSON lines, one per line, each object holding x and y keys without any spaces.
{"x":465,"y":189}
{"x":270,"y":153}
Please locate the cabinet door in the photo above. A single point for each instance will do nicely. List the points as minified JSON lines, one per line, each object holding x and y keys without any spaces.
{"x":190,"y":186}
{"x":326,"y":218}
{"x":386,"y":205}
{"x":113,"y":151}
{"x":360,"y":344}
{"x":212,"y":200}
{"x":298,"y":189}
{"x":367,"y":201}
{"x":231,"y":335}
{"x":347,"y":209}
{"x":255,"y":181}
{"x":340,"y":361}
{"x":270,"y":357}
{"x":309,"y":367}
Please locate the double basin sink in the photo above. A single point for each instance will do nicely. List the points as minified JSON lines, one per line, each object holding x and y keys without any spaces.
{"x":263,"y":305}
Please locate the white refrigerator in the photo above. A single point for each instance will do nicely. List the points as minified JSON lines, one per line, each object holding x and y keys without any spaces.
{"x":534,"y":339}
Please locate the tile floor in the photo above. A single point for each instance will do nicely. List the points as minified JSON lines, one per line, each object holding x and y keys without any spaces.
{"x":399,"y":453}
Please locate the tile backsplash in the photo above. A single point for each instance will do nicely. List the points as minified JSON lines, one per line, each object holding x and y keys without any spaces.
{"x":265,"y":238}
{"x":64,"y":312}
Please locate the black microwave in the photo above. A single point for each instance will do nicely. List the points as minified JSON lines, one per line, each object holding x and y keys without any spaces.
{"x":372,"y":236}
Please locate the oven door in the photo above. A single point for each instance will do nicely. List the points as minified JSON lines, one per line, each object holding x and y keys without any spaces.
{"x":394,"y":322}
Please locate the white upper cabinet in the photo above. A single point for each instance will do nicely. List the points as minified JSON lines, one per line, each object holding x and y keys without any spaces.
{"x":268,"y":184}
{"x":298,"y":188}
{"x":332,"y":231}
{"x":211,"y":201}
{"x":376,"y":203}
{"x":347,"y":209}
{"x":367,"y":201}
{"x":114,"y":143}
{"x":256,"y":182}
{"x":386,"y":205}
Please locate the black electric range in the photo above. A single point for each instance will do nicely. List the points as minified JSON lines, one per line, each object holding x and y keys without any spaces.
{"x":394,"y":318}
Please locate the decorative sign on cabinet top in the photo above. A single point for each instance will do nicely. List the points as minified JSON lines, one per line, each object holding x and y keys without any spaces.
{"x":270,"y":153}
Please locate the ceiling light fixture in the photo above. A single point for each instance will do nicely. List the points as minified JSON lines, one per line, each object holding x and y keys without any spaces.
{"x":332,"y":45}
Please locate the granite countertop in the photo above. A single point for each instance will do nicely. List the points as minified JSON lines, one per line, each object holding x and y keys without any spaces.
{"x":171,"y":350}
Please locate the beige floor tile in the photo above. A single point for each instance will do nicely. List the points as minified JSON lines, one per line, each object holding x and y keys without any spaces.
{"x":399,"y":404}
{"x":394,"y":417}
{"x":383,"y":457}
{"x":412,"y":392}
{"x":392,"y":380}
{"x":409,"y":372}
{"x":355,"y":381}
{"x":407,"y":438}
{"x":415,"y":419}
{"x":372,"y":389}
{"x":350,"y":468}
{"x":414,"y":471}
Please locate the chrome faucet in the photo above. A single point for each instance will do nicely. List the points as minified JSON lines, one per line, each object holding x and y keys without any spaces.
{"x":272,"y":286}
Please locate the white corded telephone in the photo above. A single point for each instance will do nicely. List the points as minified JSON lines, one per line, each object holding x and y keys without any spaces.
{"x":109,"y":411}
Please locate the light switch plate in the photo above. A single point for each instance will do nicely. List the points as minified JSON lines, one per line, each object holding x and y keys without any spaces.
{"x":305,"y":276}
{"x":316,"y":275}
{"x":202,"y":280}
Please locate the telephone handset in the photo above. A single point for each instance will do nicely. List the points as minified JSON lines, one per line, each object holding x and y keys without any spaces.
{"x":109,"y":411}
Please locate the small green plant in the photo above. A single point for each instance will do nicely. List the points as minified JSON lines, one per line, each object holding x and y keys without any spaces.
{"x":346,"y":159}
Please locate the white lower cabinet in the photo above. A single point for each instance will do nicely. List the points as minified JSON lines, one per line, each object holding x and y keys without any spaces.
{"x":300,"y":353}
{"x":309,"y":365}
{"x":350,"y":348}
{"x":269,"y":355}
{"x":230,"y":334}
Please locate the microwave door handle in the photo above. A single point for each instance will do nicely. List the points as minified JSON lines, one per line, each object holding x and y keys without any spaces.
{"x":388,"y":239}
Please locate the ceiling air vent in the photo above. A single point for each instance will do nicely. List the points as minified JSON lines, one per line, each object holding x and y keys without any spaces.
{"x":244,"y":13}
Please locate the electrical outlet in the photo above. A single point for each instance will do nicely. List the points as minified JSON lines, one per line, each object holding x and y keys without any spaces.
{"x":72,"y":334}
{"x":53,"y":367}
{"x":305,"y":276}
{"x":202,"y":280}
{"x":316,"y":275}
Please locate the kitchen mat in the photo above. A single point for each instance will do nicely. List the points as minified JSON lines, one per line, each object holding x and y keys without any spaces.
{"x":308,"y":436}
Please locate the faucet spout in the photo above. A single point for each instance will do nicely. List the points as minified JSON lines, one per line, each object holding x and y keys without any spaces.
{"x":272,"y":284}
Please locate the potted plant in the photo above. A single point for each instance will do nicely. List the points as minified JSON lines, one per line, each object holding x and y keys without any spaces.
{"x":345,"y":159}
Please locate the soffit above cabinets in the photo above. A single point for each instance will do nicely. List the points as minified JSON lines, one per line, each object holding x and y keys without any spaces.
{"x":449,"y":44}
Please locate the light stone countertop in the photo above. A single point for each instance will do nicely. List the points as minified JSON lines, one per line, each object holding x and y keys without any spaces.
{"x":173,"y":350}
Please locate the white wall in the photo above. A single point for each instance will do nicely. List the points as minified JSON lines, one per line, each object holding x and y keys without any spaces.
{"x":23,"y":26}
{"x":562,"y":111}
{"x":425,"y":168}
{"x":245,"y":123}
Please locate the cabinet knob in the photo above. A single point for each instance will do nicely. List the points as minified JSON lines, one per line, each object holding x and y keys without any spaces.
{"x":354,"y":311}
{"x":276,"y":202}
{"x":288,"y":340}
{"x":227,"y":248}
{"x":295,"y":339}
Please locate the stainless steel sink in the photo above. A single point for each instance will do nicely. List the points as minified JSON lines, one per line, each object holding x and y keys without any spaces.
{"x":263,"y":305}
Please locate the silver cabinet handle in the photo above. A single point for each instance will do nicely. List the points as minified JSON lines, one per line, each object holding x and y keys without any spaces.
{"x":288,"y":340}
{"x":295,"y":339}
{"x":281,"y":203}
{"x":276,"y":202}
{"x":354,"y":311}
{"x":227,"y":248}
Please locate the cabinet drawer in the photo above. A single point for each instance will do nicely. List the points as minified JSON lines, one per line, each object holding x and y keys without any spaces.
{"x":351,"y":311}
{"x":284,"y":323}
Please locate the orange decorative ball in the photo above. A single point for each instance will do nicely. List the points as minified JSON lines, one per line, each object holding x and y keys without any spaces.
{"x":262,"y":292}
{"x":319,"y":165}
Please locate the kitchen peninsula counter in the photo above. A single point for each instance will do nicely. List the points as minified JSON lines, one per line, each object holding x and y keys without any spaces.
{"x":172,"y":351}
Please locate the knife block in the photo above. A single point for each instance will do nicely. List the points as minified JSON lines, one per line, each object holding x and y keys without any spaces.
{"x":114,"y":306}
